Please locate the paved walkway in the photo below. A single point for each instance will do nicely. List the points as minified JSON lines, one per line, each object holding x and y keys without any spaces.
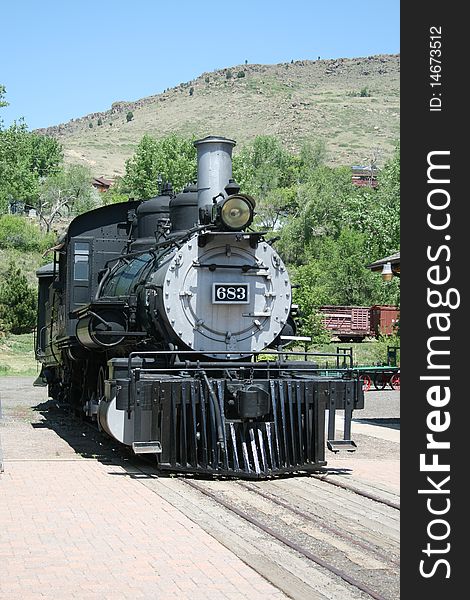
{"x":74,"y":527}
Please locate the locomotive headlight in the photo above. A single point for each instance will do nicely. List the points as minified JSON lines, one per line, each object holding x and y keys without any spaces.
{"x":236,"y":212}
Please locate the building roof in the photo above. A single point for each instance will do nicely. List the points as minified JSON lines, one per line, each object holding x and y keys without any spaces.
{"x":393,"y":259}
{"x":102,"y":181}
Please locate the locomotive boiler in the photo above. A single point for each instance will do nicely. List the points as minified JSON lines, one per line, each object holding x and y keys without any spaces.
{"x":166,"y":321}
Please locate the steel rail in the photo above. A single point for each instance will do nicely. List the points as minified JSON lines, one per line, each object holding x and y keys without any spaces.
{"x":314,"y":519}
{"x":344,"y":486}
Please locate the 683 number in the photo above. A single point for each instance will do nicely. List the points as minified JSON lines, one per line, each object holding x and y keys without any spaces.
{"x":231,"y":293}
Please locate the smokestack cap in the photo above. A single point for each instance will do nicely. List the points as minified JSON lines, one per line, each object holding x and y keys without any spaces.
{"x":215,"y":139}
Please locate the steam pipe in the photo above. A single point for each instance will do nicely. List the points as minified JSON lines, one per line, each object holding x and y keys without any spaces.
{"x":215,"y":404}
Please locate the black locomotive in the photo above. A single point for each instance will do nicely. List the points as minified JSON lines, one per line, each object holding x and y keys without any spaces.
{"x":153,"y":319}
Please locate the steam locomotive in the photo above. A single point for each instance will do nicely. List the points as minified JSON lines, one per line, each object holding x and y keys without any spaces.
{"x":167,"y":321}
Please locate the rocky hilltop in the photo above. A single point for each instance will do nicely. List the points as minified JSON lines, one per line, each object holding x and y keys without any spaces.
{"x":351,"y":104}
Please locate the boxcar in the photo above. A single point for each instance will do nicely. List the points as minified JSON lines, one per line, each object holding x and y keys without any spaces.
{"x":354,"y":323}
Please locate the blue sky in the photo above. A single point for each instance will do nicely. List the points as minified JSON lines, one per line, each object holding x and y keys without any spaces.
{"x":63,"y":59}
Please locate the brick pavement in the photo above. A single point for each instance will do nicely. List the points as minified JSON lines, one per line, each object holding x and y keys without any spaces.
{"x":74,"y":527}
{"x":88,"y":530}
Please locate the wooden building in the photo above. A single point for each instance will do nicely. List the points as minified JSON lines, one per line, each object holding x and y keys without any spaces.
{"x":101,"y":184}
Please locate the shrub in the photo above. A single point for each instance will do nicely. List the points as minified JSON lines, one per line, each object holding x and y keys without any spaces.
{"x":129,"y":116}
{"x":18,"y":303}
{"x":364,"y":93}
{"x":18,"y":232}
{"x":100,"y":121}
{"x":191,"y":91}
{"x":113,"y":196}
{"x":229,"y":75}
{"x":382,"y":345}
{"x":90,"y":124}
{"x":240,"y":74}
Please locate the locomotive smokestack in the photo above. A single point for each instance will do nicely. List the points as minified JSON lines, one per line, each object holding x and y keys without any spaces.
{"x":214,"y":168}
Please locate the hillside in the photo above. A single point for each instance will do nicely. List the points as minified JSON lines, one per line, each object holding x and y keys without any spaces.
{"x":294,"y":101}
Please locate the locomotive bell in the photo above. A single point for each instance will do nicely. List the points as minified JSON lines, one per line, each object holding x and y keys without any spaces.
{"x":214,"y":169}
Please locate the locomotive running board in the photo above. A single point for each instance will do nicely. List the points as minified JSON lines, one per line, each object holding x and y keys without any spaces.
{"x":147,"y":447}
{"x":337,"y":445}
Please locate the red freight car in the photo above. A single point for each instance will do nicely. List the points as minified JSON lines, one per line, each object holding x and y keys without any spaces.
{"x":348,"y":323}
{"x":354,"y":323}
{"x":384,"y":319}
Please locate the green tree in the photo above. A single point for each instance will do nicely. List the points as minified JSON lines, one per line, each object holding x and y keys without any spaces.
{"x":3,"y":102}
{"x":343,"y":275}
{"x":129,"y":116}
{"x":274,"y":209}
{"x":309,"y":295}
{"x":114,"y":195}
{"x":24,"y":159}
{"x":171,"y":158}
{"x":46,"y":155}
{"x":327,"y":202}
{"x":335,"y":273}
{"x":18,"y":181}
{"x":3,"y":92}
{"x":317,"y":212}
{"x":312,"y":156}
{"x":265,"y":170}
{"x":69,"y":191}
{"x":387,"y":236}
{"x":18,"y":303}
{"x":263,"y":166}
{"x":376,"y":212}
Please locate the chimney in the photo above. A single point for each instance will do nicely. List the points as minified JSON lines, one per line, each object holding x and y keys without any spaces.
{"x":214,"y":168}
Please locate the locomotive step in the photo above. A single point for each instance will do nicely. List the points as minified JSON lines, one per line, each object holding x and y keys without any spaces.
{"x":337,"y":445}
{"x":146,"y":447}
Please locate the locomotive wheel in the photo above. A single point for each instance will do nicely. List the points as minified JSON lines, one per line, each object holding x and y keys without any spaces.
{"x":380,"y":381}
{"x":73,"y":379}
{"x":366,"y":382}
{"x":395,"y":381}
{"x":100,"y":389}
{"x":100,"y":383}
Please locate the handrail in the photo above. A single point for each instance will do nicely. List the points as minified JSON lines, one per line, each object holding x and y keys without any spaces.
{"x":255,"y":365}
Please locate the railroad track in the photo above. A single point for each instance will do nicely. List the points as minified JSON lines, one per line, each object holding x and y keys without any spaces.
{"x":273,"y":530}
{"x":322,"y":523}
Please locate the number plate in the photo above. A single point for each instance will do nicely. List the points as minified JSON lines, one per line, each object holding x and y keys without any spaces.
{"x":230,"y":293}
